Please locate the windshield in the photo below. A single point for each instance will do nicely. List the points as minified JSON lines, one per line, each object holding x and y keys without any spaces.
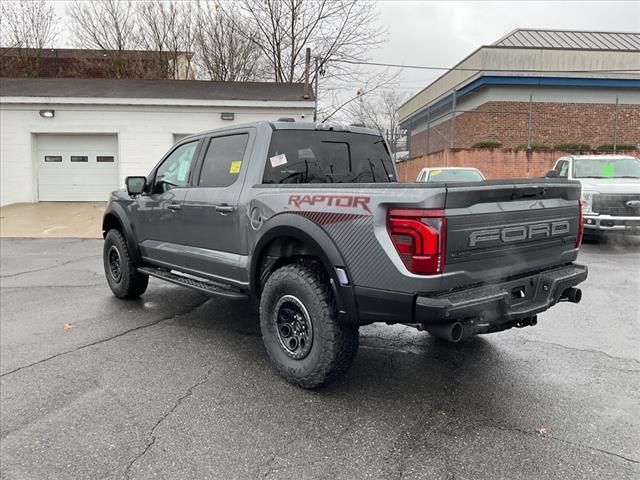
{"x":312,"y":156}
{"x":626,"y":167}
{"x":462,"y":175}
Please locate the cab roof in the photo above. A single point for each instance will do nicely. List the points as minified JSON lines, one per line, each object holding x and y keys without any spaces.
{"x":290,"y":125}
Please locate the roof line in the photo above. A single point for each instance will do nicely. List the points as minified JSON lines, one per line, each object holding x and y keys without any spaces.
{"x":489,"y":80}
{"x":453,"y":68}
{"x":503,"y":38}
{"x":187,"y":102}
{"x":537,"y":47}
{"x":166,"y":80}
{"x":560,"y":30}
{"x":67,"y":49}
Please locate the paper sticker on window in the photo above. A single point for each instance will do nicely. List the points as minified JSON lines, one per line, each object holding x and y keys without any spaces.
{"x":608,"y":170}
{"x":235,"y":166}
{"x":435,"y":172}
{"x":278,"y":160}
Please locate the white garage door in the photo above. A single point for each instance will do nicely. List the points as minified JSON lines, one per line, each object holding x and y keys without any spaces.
{"x":76,"y":167}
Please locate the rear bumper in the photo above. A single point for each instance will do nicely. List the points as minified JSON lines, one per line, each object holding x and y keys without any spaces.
{"x":503,"y":302}
{"x":606,"y":223}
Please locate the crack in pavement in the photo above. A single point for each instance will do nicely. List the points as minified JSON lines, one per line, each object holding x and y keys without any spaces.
{"x":587,"y":350}
{"x":77,"y":259}
{"x":103,"y":340}
{"x":562,"y":440}
{"x":204,"y":379}
{"x":152,"y":440}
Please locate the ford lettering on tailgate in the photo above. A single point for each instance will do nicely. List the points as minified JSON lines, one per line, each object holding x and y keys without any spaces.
{"x":518,"y":233}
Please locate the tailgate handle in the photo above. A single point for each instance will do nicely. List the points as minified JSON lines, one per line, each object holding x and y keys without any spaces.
{"x":530,"y":192}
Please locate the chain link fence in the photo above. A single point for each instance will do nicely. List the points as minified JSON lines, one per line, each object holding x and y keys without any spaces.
{"x":529,"y":125}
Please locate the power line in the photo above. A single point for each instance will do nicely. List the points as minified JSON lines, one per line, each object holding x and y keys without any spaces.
{"x":426,"y":67}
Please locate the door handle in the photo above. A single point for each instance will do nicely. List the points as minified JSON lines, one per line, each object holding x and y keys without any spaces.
{"x":224,"y":209}
{"x":174,"y":207}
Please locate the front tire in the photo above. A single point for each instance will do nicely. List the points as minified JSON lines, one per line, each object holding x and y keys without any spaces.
{"x":300,"y":330}
{"x":122,"y":275}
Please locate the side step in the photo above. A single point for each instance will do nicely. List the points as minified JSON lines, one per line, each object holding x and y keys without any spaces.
{"x":200,"y":285}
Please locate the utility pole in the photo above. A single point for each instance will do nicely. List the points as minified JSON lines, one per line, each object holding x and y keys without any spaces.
{"x":615,"y":126}
{"x":428,"y":130}
{"x":307,"y":61}
{"x":452,"y":140}
{"x":529,"y":123}
{"x":315,"y":88}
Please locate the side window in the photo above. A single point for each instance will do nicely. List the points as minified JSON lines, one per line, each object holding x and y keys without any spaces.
{"x":562,"y":168}
{"x":223,"y":160}
{"x":174,"y":171}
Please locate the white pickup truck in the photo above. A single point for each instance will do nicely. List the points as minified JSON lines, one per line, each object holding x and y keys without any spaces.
{"x":610,"y":190}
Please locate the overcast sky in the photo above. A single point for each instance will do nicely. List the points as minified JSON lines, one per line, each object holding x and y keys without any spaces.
{"x":443,"y":33}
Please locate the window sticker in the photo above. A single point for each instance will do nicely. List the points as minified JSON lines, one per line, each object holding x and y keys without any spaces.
{"x":435,"y":172}
{"x":278,"y":160}
{"x":235,"y":166}
{"x":608,"y":170}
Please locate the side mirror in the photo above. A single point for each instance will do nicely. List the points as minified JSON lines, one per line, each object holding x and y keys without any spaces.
{"x":552,"y":174}
{"x":135,"y":185}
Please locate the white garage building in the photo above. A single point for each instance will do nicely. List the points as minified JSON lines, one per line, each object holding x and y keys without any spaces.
{"x":76,"y":139}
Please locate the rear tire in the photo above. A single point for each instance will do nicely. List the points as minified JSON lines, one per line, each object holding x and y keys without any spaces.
{"x":122,"y":275}
{"x":300,"y":330}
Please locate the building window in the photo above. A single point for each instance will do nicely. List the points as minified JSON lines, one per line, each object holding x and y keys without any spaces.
{"x":53,"y":158}
{"x":105,"y":158}
{"x":79,"y":158}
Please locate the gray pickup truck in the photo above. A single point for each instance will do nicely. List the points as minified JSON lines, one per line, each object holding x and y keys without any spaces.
{"x":310,"y":220}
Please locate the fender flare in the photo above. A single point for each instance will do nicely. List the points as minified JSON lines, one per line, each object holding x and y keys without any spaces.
{"x":120,"y":214}
{"x":319,"y":244}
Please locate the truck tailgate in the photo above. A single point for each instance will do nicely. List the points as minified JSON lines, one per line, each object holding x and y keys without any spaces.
{"x":501,"y":229}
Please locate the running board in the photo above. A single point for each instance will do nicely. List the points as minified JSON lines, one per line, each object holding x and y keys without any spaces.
{"x":200,"y":285}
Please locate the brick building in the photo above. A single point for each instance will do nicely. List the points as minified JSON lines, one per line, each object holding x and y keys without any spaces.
{"x":533,"y":87}
{"x":88,"y":63}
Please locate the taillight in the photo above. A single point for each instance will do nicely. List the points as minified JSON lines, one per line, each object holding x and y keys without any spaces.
{"x":580,"y":224}
{"x":420,"y":239}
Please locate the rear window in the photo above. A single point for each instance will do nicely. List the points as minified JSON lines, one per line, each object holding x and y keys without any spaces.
{"x":454,"y":176}
{"x":311,"y":156}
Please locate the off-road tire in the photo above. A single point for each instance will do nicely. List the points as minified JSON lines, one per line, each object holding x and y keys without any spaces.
{"x":129,"y":283}
{"x":333,"y":345}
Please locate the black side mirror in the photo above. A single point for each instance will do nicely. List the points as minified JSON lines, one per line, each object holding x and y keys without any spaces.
{"x":135,"y":185}
{"x":552,"y":174}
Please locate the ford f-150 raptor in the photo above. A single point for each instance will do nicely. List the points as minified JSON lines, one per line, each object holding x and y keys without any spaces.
{"x":310,"y":219}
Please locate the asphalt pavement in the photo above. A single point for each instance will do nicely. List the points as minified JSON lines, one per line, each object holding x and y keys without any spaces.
{"x":177,"y":385}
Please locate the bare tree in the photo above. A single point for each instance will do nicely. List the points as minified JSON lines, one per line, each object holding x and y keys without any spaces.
{"x":168,"y":30}
{"x":225,"y":51}
{"x":28,"y":24}
{"x":27,"y":27}
{"x":379,"y":111}
{"x":107,"y":25}
{"x":334,"y":29}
